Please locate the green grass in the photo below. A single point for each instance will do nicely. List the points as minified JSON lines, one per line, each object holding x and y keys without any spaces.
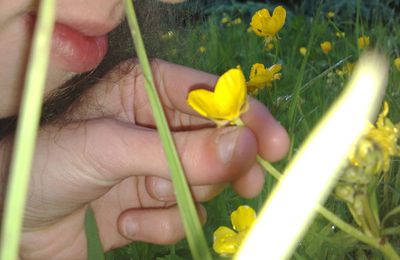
{"x":229,"y":46}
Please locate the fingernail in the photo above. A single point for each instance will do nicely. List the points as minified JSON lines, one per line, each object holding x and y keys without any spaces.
{"x":226,"y":144}
{"x":131,"y":227}
{"x":163,"y":189}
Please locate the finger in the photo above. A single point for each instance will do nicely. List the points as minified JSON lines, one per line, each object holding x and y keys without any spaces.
{"x":250,"y":184}
{"x":163,"y":190}
{"x":209,"y":156}
{"x":121,"y":94}
{"x":273,"y":140}
{"x":159,"y":226}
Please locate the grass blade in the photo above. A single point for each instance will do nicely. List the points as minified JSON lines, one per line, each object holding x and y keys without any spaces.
{"x":28,"y":124}
{"x":193,"y":229}
{"x":94,"y":248}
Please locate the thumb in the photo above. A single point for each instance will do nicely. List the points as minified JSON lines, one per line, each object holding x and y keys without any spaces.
{"x":119,"y":150}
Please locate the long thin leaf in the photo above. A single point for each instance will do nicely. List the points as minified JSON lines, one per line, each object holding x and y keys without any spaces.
{"x":28,"y":124}
{"x":193,"y":229}
{"x":94,"y":248}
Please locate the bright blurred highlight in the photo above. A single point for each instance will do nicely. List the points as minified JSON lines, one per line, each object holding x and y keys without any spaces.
{"x":312,"y":173}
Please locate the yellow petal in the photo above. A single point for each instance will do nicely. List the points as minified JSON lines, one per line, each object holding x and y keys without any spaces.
{"x":257,"y":21}
{"x":280,"y":16}
{"x":227,"y":101}
{"x":243,"y":218}
{"x":226,"y":242}
{"x":257,"y":69}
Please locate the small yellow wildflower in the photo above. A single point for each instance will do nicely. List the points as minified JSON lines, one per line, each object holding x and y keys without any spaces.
{"x":225,"y":19}
{"x":397,"y":63}
{"x":269,"y":46}
{"x":326,"y":47}
{"x":363,"y":42}
{"x":202,"y":49}
{"x":226,"y":103}
{"x":340,"y":34}
{"x":265,"y":25}
{"x":346,"y":69}
{"x":381,"y":139}
{"x":330,"y":14}
{"x":303,"y":51}
{"x":237,"y":21}
{"x":261,"y":77}
{"x":228,"y":241}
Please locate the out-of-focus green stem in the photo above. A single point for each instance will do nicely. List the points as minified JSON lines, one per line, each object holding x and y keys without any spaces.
{"x":193,"y":229}
{"x":25,"y":139}
{"x":386,"y":248}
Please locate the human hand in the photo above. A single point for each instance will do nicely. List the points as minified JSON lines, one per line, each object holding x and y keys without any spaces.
{"x":109,"y":156}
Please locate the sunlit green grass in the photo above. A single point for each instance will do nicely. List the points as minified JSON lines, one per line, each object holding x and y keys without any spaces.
{"x":229,"y":46}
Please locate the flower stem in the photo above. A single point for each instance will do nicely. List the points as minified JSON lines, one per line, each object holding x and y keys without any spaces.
{"x":193,"y":229}
{"x":386,"y":248}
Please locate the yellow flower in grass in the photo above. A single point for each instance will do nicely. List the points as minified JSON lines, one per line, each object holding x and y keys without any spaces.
{"x":330,"y":14}
{"x":326,"y":46}
{"x":346,"y":69}
{"x":397,"y":63}
{"x":228,"y":241}
{"x":261,"y":77}
{"x":303,"y":51}
{"x":237,"y":21}
{"x":375,"y":148}
{"x":265,"y":25}
{"x":226,"y":103}
{"x":363,"y":42}
{"x":269,"y":46}
{"x":202,"y":49}
{"x":225,"y":19}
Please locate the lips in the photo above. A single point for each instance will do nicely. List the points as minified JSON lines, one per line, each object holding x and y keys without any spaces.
{"x":75,"y":51}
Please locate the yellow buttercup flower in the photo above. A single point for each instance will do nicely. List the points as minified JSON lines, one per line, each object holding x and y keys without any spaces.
{"x":346,"y":69}
{"x":330,"y":14}
{"x":261,"y":77}
{"x":228,"y":241}
{"x":265,"y":25}
{"x":202,"y":49}
{"x":363,"y":42}
{"x":326,"y":47}
{"x":375,"y":148}
{"x":269,"y":46}
{"x":303,"y":51}
{"x":226,"y":103}
{"x":225,"y":19}
{"x":237,"y":21}
{"x":397,"y":63}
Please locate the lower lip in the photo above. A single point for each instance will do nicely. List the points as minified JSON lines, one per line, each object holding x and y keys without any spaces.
{"x":76,"y":52}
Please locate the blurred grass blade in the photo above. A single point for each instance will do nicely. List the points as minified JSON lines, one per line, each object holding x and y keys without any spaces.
{"x":310,"y":176}
{"x":193,"y":229}
{"x":28,"y":123}
{"x":94,"y":248}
